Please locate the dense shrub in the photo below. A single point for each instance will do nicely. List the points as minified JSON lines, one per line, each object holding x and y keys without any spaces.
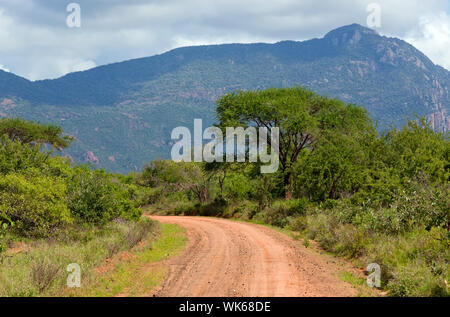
{"x":419,"y":205}
{"x":35,"y":203}
{"x":298,"y":223}
{"x":89,"y":197}
{"x":182,"y":208}
{"x":4,"y":226}
{"x":282,"y":213}
{"x":143,"y":195}
{"x":15,"y":157}
{"x":291,"y":207}
{"x":413,"y":263}
{"x":417,"y":150}
{"x":94,"y":198}
{"x":237,"y":187}
{"x":244,"y":209}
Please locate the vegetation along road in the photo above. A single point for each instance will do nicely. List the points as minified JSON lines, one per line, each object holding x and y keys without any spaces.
{"x":227,"y":258}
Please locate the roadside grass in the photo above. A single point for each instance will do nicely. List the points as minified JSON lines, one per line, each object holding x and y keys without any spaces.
{"x":359,"y":284}
{"x":39,"y":267}
{"x":140,"y":272}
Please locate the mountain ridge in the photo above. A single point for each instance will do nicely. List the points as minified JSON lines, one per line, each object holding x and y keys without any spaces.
{"x":141,"y":100}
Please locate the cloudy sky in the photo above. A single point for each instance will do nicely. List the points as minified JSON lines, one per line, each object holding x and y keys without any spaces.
{"x":36,"y":43}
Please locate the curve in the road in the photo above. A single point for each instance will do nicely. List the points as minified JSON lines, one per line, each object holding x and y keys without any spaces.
{"x":226,"y":258}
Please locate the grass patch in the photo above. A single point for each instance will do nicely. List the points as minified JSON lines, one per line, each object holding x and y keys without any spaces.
{"x":39,"y":267}
{"x":138,"y":275}
{"x":359,"y":284}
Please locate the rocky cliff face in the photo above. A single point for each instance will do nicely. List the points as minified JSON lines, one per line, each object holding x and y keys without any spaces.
{"x":125,"y":112}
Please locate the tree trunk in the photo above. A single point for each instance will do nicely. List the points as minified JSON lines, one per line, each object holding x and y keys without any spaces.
{"x":332,"y":193}
{"x":221,"y":183}
{"x":289,"y":191}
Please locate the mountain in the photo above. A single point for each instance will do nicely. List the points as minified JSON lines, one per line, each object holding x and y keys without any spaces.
{"x":122,"y":114}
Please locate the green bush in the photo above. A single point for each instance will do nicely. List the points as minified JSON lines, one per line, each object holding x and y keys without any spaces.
{"x":245,"y":209}
{"x":146,"y":196}
{"x":215,"y":208}
{"x":351,"y":241}
{"x":237,"y":187}
{"x":274,"y":217}
{"x":415,"y":279}
{"x":16,"y":157}
{"x":4,"y":226}
{"x":298,"y":223}
{"x":413,"y":263}
{"x":41,"y":193}
{"x":94,"y":198}
{"x":282,"y":212}
{"x":291,"y":207}
{"x":323,"y":228}
{"x":35,"y":203}
{"x":182,"y":208}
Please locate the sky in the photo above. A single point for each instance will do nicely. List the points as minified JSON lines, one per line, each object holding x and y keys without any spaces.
{"x":36,"y":41}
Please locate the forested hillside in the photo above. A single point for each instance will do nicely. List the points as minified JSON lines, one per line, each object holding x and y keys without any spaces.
{"x":122,"y":114}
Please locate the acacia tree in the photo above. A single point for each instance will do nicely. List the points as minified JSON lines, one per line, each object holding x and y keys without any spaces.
{"x":303,"y":117}
{"x":29,"y":132}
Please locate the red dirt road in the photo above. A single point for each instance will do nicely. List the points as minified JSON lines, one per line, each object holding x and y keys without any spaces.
{"x":225,"y":258}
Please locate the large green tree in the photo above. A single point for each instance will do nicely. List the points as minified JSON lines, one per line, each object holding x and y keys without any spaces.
{"x":29,"y":132}
{"x":305,"y":119}
{"x":416,"y":150}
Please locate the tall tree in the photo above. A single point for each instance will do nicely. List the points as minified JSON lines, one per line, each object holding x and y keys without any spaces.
{"x":305,"y":120}
{"x":29,"y":132}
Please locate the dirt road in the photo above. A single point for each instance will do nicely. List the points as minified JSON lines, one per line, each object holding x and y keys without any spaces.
{"x":225,"y":258}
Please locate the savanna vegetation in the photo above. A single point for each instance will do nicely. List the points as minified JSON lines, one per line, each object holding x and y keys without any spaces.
{"x":369,"y":197}
{"x":53,"y":213}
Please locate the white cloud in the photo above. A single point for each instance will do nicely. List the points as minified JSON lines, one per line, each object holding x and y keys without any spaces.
{"x":37,"y":44}
{"x":57,"y":66}
{"x":4,"y":68}
{"x":5,"y":36}
{"x":432,"y":37}
{"x":83,"y":65}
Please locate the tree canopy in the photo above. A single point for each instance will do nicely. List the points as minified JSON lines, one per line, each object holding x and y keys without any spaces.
{"x":29,"y":132}
{"x":306,"y":120}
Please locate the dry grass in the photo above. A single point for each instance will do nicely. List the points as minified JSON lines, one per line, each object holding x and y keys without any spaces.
{"x":40,"y":268}
{"x":44,"y":273}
